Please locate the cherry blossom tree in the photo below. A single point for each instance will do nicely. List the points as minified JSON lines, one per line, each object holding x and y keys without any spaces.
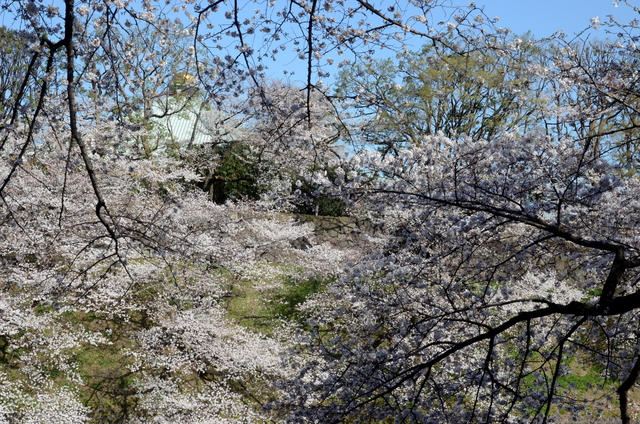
{"x":89,"y":48}
{"x":516,"y":254}
{"x":273,"y":138}
{"x":515,"y":265}
{"x":133,"y":325}
{"x":113,"y":252}
{"x":596,"y":94}
{"x":511,"y":253}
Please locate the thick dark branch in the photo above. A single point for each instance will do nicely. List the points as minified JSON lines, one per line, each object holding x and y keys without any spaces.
{"x":310,"y":58}
{"x":32,"y":125}
{"x":23,"y":87}
{"x":615,"y":306}
{"x":517,"y":216}
{"x":616,"y":273}
{"x":73,"y":125}
{"x":540,"y":224}
{"x":624,"y":389}
{"x":392,"y":22}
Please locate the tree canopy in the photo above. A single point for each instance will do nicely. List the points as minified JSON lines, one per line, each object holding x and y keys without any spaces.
{"x":459,"y":90}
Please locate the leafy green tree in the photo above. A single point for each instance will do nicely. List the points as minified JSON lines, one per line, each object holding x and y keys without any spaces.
{"x":456,"y":91}
{"x":234,"y":177}
{"x":14,"y":65}
{"x":312,"y":201}
{"x":596,"y":88}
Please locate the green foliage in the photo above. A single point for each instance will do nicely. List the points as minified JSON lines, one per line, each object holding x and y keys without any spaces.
{"x":14,"y":61}
{"x":319,"y":203}
{"x":434,"y":90}
{"x":329,"y":206}
{"x":234,"y":176}
{"x":237,"y":174}
{"x":312,"y":201}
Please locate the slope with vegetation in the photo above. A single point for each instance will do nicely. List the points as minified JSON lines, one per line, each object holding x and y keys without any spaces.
{"x":147,"y":276}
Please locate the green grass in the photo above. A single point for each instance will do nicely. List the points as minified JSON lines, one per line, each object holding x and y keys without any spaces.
{"x":285,"y":303}
{"x":246,"y":305}
{"x":255,"y":308}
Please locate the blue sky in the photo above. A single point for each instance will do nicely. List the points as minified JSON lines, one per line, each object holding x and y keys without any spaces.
{"x":544,"y":17}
